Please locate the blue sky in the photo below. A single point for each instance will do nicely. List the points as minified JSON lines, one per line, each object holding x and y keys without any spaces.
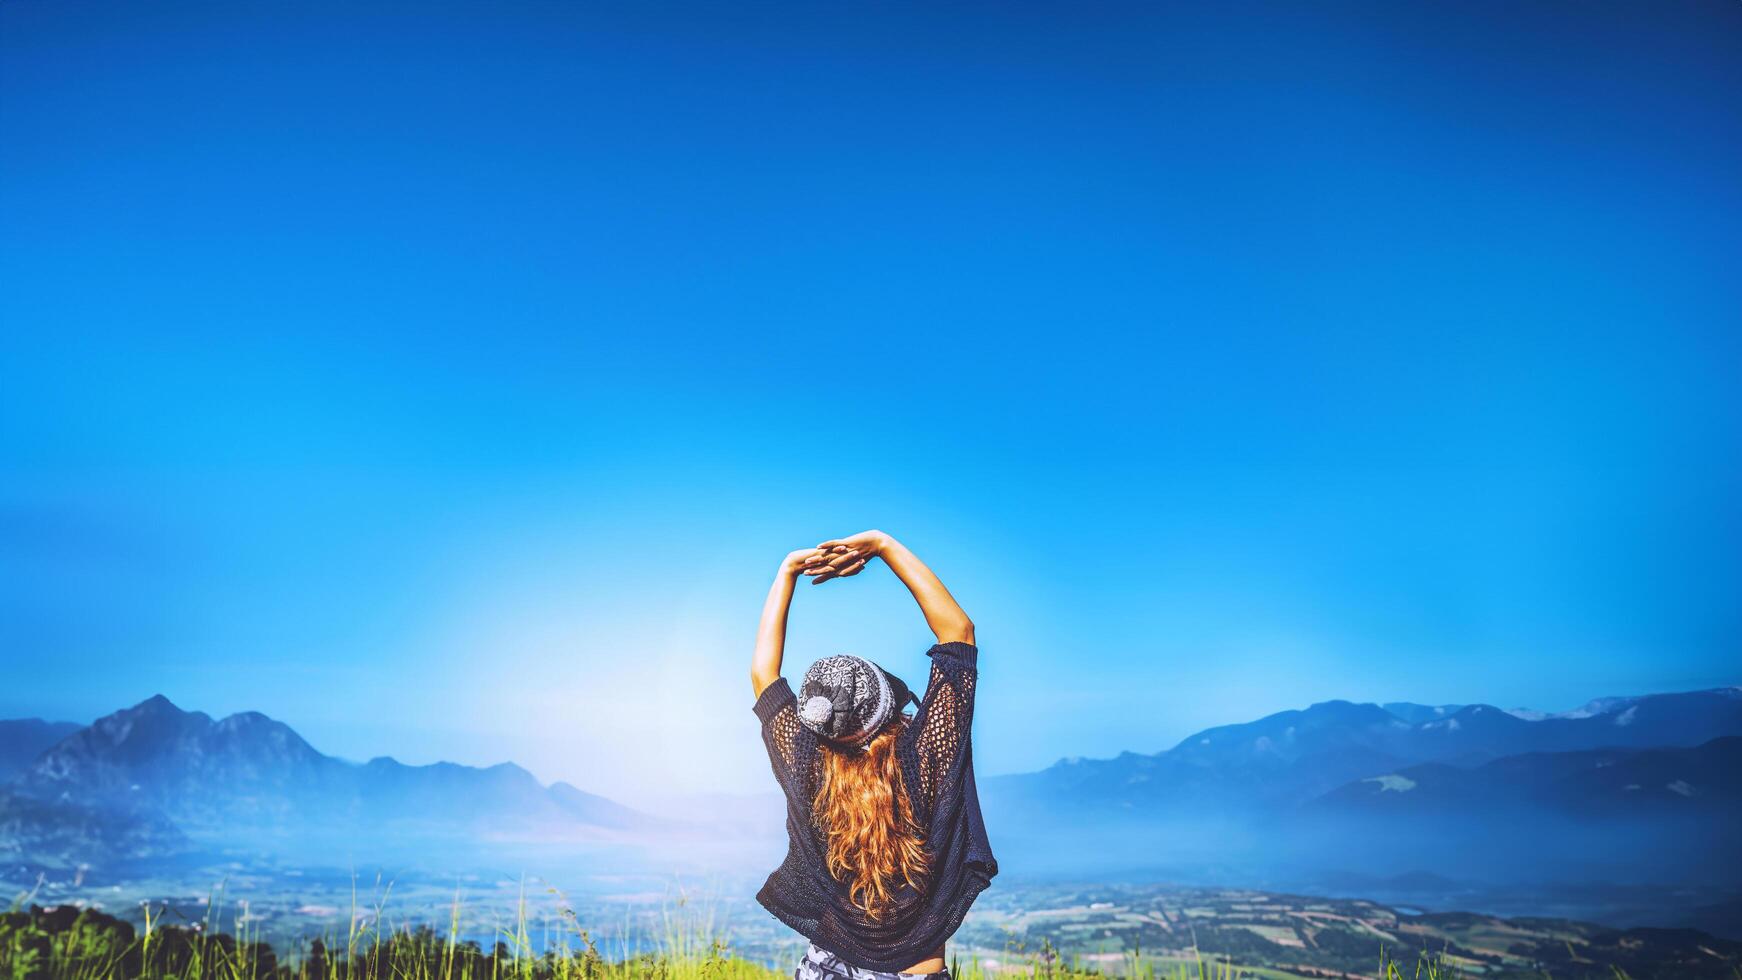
{"x":447,"y":379}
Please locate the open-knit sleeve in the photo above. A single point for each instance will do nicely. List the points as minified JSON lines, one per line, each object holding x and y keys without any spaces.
{"x":945,"y":713}
{"x":786,"y":739}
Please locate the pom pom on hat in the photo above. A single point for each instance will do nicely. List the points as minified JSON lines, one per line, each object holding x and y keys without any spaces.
{"x":817,"y":710}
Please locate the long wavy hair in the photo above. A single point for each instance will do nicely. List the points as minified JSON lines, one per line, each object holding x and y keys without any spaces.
{"x":874,"y":841}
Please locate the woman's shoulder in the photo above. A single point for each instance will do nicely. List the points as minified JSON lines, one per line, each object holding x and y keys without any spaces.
{"x":777,"y":695}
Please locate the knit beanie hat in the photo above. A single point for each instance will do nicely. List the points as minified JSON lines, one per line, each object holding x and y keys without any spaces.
{"x":846,"y":699}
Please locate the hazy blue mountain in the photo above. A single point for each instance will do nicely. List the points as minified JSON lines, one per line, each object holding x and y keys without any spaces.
{"x":1291,"y":757}
{"x":1638,"y":790}
{"x":23,"y":739}
{"x":246,"y":767}
{"x":595,"y":810}
{"x":250,"y":778}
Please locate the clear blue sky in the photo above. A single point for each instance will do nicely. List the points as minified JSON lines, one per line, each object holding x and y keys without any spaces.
{"x":447,"y":379}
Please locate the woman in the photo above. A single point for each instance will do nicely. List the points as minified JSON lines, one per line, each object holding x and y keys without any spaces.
{"x":886,"y":849}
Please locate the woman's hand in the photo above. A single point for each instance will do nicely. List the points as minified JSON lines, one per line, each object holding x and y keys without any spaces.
{"x":842,"y":557}
{"x":800,"y":560}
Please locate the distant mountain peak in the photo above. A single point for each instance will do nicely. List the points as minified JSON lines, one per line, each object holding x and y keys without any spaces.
{"x":153,"y":714}
{"x":250,"y":770}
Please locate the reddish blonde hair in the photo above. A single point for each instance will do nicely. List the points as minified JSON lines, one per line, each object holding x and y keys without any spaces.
{"x":862,"y":806}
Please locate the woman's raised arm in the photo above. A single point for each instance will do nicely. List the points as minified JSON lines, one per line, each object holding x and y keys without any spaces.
{"x":845,"y":556}
{"x":771,"y":634}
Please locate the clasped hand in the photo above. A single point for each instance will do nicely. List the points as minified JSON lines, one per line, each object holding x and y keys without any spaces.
{"x":836,"y":558}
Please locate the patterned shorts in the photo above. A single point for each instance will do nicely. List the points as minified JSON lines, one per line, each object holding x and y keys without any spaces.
{"x":820,"y":964}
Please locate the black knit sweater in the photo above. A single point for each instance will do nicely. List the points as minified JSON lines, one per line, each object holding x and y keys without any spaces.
{"x":937,"y":770}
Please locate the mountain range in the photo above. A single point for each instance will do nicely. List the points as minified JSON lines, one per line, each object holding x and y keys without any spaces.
{"x":1634,"y":790}
{"x":153,"y":780}
{"x":1288,"y":758}
{"x":1640,"y":789}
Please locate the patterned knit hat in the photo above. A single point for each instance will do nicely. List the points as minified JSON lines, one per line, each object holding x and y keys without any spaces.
{"x":846,"y":699}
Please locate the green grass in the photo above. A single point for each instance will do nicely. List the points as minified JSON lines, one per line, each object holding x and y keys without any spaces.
{"x":81,"y":944}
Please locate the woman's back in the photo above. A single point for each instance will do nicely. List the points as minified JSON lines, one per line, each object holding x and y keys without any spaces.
{"x":936,"y":765}
{"x":886,"y":846}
